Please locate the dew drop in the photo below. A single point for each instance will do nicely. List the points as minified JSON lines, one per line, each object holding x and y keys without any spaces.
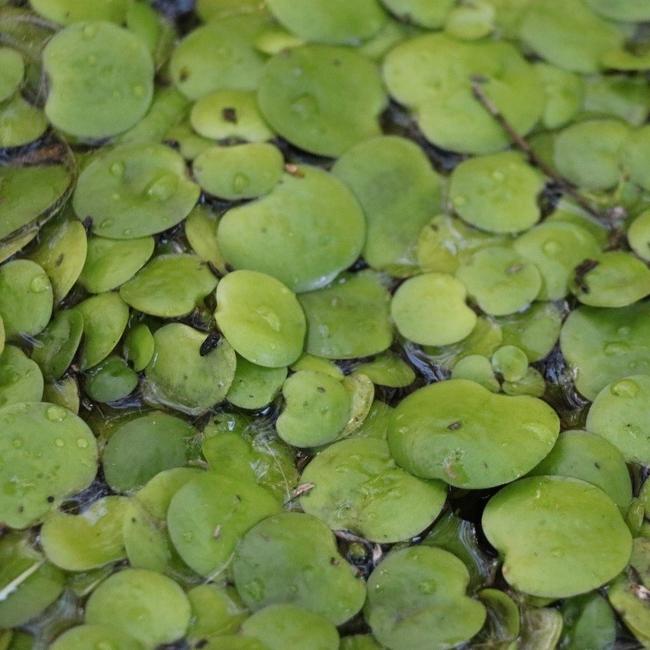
{"x":269,"y":317}
{"x":625,"y":388}
{"x":55,"y":414}
{"x":17,"y":443}
{"x":551,"y":247}
{"x":82,"y":443}
{"x":162,"y":188}
{"x":39,"y":284}
{"x":427,"y":586}
{"x":107,"y":223}
{"x":59,"y":442}
{"x":616,"y":348}
{"x":138,"y":90}
{"x":498,"y":176}
{"x":89,"y":31}
{"x":240,"y":183}
{"x":255,"y":589}
{"x":117,"y":169}
{"x":305,"y":106}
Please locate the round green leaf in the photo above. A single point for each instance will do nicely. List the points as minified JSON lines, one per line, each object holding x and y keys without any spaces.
{"x":219,"y":56}
{"x":425,"y":13}
{"x":47,"y":453}
{"x":55,"y":347}
{"x":158,"y":492}
{"x":287,"y":626}
{"x":559,"y":536}
{"x":316,"y":411}
{"x":61,"y":252}
{"x":169,"y":286}
{"x":29,"y":584}
{"x":201,"y":233}
{"x":180,"y":377}
{"x":112,"y":262}
{"x":329,"y":21}
{"x":292,"y":558}
{"x":564,"y":92}
{"x":460,"y":432}
{"x":29,"y":191}
{"x":618,"y":279}
{"x":477,"y":368}
{"x":26,"y":298}
{"x":603,"y":345}
{"x":134,"y":190}
{"x":588,"y":153}
{"x":622,"y":10}
{"x":244,"y":171}
{"x":95,"y":636}
{"x":348,"y":319}
{"x":320,"y":98}
{"x":497,"y":193}
{"x":357,"y":486}
{"x":500,"y":280}
{"x":226,"y":114}
{"x":100,"y":79}
{"x":241,"y":449}
{"x":377,"y":171}
{"x":67,"y":12}
{"x":634,"y":156}
{"x":87,"y":540}
{"x":208,"y":516}
{"x":571,"y":37}
{"x":638,"y":235}
{"x":20,"y":378}
{"x":253,"y":386}
{"x":139,"y":346}
{"x":590,"y":458}
{"x":104,"y":317}
{"x":388,"y":369}
{"x":216,"y":610}
{"x":12,"y":70}
{"x":620,"y":415}
{"x":417,"y":599}
{"x":430,"y":309}
{"x":510,"y":362}
{"x":111,"y":380}
{"x":147,"y":606}
{"x":260,"y":318}
{"x":20,"y":122}
{"x":556,"y":249}
{"x":589,"y":622}
{"x":304,"y":233}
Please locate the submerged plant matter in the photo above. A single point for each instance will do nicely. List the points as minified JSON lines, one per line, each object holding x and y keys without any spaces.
{"x":324,"y":324}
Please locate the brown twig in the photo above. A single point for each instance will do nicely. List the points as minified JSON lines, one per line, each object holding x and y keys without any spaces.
{"x":521,"y":143}
{"x":303,"y":488}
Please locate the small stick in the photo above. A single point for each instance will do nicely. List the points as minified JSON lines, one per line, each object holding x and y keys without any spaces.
{"x":521,"y":143}
{"x":303,"y":488}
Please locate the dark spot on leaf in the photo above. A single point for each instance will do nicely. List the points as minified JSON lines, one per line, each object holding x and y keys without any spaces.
{"x":229,"y":114}
{"x":210,"y":343}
